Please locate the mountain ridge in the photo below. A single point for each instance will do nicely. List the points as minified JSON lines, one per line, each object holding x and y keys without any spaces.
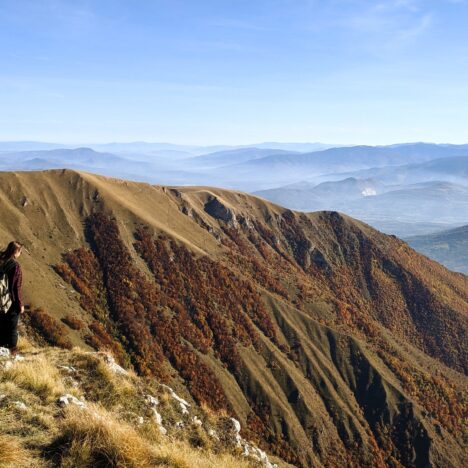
{"x":313,"y":308}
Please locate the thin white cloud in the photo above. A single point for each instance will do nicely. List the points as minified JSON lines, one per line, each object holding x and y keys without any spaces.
{"x":390,"y":23}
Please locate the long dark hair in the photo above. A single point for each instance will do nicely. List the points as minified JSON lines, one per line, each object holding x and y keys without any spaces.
{"x":10,"y":251}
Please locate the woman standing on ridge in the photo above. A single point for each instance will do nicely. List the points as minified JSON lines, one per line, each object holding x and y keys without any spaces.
{"x":11,"y":298}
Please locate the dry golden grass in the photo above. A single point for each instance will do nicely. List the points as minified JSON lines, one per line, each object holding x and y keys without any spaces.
{"x":100,"y":383}
{"x":37,"y":375}
{"x":104,"y":434}
{"x":93,"y":437}
{"x":25,"y":345}
{"x":12,"y":453}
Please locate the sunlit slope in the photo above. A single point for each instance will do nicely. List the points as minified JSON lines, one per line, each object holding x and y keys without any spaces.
{"x":331,"y":342}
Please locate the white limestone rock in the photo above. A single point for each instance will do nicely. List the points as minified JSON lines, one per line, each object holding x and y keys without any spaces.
{"x":69,"y":369}
{"x":20,"y":405}
{"x":68,"y":399}
{"x":197,"y":421}
{"x":183,"y":404}
{"x":151,"y":400}
{"x":113,"y":366}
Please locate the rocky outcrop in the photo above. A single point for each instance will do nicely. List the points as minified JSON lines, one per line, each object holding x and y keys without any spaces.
{"x":218,"y":210}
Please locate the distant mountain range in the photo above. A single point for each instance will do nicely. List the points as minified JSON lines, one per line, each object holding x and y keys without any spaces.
{"x":236,"y":156}
{"x":449,"y":168}
{"x":391,"y":187}
{"x":448,"y":247}
{"x":143,"y":147}
{"x":325,"y":165}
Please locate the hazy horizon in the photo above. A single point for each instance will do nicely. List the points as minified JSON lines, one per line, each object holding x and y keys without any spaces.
{"x":224,"y":143}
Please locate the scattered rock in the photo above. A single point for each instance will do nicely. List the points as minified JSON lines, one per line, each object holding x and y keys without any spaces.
{"x":157,"y":417}
{"x":184,"y":405}
{"x":232,"y":429}
{"x":158,"y":420}
{"x":113,"y":366}
{"x":235,"y":425}
{"x":69,"y":369}
{"x":213,"y":434}
{"x":151,"y":400}
{"x":20,"y":405}
{"x":68,"y":399}
{"x":197,"y":421}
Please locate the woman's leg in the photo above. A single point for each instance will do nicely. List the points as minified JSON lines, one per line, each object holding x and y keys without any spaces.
{"x":12,"y":331}
{"x":3,"y":330}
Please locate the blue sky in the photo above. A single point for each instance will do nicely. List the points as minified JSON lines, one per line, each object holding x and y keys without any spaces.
{"x":234,"y":71}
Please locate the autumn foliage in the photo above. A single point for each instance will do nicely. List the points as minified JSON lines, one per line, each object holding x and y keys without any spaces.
{"x":52,"y":330}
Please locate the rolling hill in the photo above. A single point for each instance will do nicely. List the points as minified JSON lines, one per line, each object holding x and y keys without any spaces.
{"x":338,"y":159}
{"x":451,"y":169}
{"x":362,"y":162}
{"x":332,"y":344}
{"x":236,"y":156}
{"x":448,"y":247}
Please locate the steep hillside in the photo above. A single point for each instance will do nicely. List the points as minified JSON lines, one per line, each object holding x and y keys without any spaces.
{"x":333,"y":344}
{"x":448,"y":247}
{"x":77,"y":408}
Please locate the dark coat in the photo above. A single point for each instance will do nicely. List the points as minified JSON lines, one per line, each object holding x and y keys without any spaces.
{"x":15,"y":282}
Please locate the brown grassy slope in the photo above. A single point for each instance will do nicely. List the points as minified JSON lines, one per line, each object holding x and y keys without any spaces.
{"x":346,"y":375}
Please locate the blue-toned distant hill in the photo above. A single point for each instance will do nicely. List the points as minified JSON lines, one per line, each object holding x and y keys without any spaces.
{"x":451,"y":169}
{"x":448,"y":247}
{"x":79,"y":158}
{"x":365,"y":156}
{"x":235,"y":156}
{"x":334,"y":164}
{"x":151,"y":148}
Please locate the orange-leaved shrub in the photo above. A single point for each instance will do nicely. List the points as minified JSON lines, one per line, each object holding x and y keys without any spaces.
{"x":49,"y":328}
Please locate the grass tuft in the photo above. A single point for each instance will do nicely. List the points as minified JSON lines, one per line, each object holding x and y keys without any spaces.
{"x":95,"y":438}
{"x":12,"y":453}
{"x":38,"y":376}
